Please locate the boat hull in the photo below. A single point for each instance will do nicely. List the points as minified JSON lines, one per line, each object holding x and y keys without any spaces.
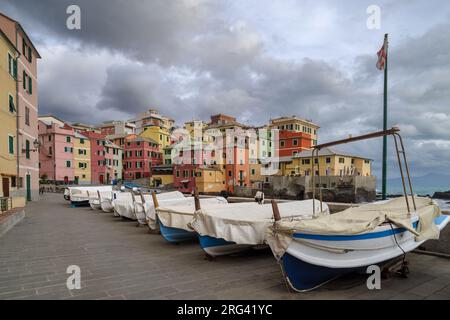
{"x":220,"y":247}
{"x":106,"y":206}
{"x":95,"y":206}
{"x":302,"y":276}
{"x":308,"y":265}
{"x":77,"y":204}
{"x":175,"y":235}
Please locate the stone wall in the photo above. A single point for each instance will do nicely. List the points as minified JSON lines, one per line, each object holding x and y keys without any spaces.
{"x":348,"y":189}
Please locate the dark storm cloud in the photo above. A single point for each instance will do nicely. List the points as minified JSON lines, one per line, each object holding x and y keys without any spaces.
{"x":186,"y":59}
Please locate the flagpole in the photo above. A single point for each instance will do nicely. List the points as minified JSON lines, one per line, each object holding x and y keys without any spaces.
{"x":384,"y":169}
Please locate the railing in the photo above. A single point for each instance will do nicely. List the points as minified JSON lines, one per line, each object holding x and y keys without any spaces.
{"x":5,"y":204}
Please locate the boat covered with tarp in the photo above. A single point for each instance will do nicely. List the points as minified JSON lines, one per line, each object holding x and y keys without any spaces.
{"x":78,"y":196}
{"x":174,"y":219}
{"x":130,"y":205}
{"x":313,"y":252}
{"x":229,"y":229}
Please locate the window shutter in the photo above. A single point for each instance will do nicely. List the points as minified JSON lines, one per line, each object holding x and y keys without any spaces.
{"x":30,"y":56}
{"x":27,"y":149}
{"x":11,"y":145}
{"x":30,"y":89}
{"x":24,"y":81}
{"x":15,"y":68}
{"x":12,"y":107}
{"x":10,"y":64}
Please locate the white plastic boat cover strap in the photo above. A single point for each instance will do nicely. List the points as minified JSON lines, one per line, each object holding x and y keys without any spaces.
{"x":246,"y":223}
{"x":179,"y":216}
{"x":359,"y":220}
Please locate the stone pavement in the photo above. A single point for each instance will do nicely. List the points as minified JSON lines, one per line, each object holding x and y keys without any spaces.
{"x":120,"y":261}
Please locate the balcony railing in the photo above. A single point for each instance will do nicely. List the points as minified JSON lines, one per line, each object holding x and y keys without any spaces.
{"x":5,"y":204}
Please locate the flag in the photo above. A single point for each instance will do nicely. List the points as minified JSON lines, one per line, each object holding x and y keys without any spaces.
{"x":382,"y":55}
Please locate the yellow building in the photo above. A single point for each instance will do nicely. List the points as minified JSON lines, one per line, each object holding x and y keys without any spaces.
{"x":296,"y":124}
{"x":331,"y":163}
{"x":82,"y":159}
{"x":256,"y":178}
{"x":159,"y":134}
{"x":8,"y":120}
{"x":209,"y":179}
{"x":162,"y":176}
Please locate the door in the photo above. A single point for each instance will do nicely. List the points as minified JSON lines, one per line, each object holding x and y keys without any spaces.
{"x":28,"y":187}
{"x":5,"y":183}
{"x":77,"y":179}
{"x":100,"y":179}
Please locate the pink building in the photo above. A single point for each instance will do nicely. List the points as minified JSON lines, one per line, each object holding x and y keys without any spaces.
{"x":140,"y":155}
{"x":27,"y":108}
{"x":56,"y":158}
{"x":104,"y":160}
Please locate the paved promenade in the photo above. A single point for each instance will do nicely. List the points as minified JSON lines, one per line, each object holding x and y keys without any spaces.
{"x":120,"y":261}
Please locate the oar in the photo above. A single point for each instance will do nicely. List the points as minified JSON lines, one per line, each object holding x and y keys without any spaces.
{"x":276,"y":212}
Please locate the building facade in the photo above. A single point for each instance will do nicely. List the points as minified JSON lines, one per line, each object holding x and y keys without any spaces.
{"x":56,"y":152}
{"x":331,"y":163}
{"x":140,"y":155}
{"x":27,"y":156}
{"x":210,"y":179}
{"x":82,"y":159}
{"x":8,"y":119}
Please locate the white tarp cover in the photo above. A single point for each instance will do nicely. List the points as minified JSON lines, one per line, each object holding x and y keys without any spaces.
{"x":80,"y":193}
{"x":125,"y":206}
{"x":246,"y":223}
{"x":360,"y":220}
{"x":180,"y":215}
{"x":140,"y":214}
{"x":93,"y":196}
{"x":150,"y":212}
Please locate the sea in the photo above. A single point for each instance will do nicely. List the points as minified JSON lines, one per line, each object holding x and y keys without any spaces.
{"x":444,"y":204}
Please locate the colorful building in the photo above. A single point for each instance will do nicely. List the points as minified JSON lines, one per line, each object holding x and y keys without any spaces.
{"x":210,"y":179}
{"x":117,"y":128}
{"x":162,"y":175}
{"x":331,"y":163}
{"x":100,"y":173}
{"x":56,"y":153}
{"x":152,"y":118}
{"x":27,"y":155}
{"x":160,"y":135}
{"x":140,"y":155}
{"x":82,"y":159}
{"x":295,"y":124}
{"x":184,"y":177}
{"x":114,"y":155}
{"x":8,"y":120}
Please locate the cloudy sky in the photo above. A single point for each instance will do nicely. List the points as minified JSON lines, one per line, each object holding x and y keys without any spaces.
{"x":254,"y":59}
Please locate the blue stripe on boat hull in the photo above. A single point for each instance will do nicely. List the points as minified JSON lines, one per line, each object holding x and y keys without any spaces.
{"x":304,"y":276}
{"x":364,"y":236}
{"x":176,"y":235}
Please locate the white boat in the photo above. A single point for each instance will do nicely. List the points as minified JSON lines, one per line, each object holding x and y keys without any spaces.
{"x":317,"y":251}
{"x":78,"y":196}
{"x":174,"y":219}
{"x":130,"y":206}
{"x":236,"y":227}
{"x":314,"y":252}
